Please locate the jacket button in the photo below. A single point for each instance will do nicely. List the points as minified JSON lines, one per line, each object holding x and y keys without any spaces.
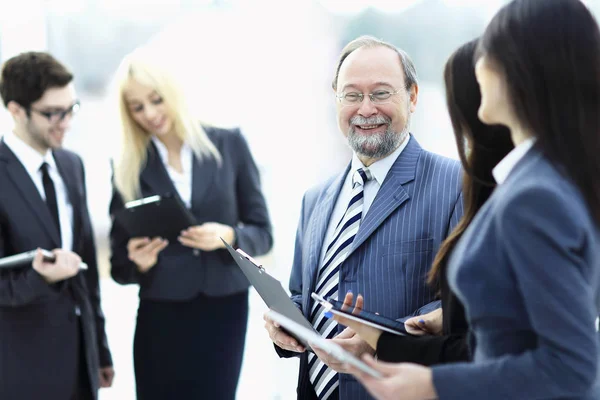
{"x":196,"y":252}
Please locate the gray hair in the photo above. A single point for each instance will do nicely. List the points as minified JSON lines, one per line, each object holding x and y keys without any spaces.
{"x":410,"y":72}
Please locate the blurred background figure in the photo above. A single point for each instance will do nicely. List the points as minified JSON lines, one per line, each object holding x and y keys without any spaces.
{"x":193,"y":311}
{"x":51,"y":321}
{"x":259,"y":56}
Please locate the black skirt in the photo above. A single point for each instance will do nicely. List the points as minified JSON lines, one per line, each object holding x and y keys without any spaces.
{"x":190,"y":350}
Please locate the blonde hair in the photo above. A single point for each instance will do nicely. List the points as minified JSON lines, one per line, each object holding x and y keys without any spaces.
{"x":145,"y":69}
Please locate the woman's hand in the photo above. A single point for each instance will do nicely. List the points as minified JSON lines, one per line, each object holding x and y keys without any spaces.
{"x":207,"y":236}
{"x":144,"y":252}
{"x":400,"y":381}
{"x":367,"y":333}
{"x":426,"y":324}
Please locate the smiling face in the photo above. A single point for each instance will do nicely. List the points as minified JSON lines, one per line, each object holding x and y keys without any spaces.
{"x":43,"y":125}
{"x":147,"y":108}
{"x":374,"y":130}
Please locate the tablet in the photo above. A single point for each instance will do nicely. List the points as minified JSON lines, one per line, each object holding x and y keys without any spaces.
{"x":331,"y":348}
{"x":271,"y":291}
{"x":365,"y":317}
{"x":155,"y":216}
{"x":25,"y":259}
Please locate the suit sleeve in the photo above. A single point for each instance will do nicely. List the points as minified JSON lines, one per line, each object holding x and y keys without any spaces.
{"x":92,"y":281}
{"x":122,"y":269}
{"x":253,"y":232}
{"x":544,"y":243}
{"x":22,"y":286}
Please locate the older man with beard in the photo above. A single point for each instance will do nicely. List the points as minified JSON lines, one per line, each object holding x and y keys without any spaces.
{"x":375,"y":228}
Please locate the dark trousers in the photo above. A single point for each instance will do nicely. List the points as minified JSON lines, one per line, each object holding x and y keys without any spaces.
{"x":190,"y":350}
{"x":83,"y":388}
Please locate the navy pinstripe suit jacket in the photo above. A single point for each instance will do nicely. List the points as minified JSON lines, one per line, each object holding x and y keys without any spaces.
{"x":418,"y":204}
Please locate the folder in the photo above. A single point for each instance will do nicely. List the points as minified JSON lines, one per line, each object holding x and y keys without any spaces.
{"x":271,"y":291}
{"x":155,"y":216}
{"x":25,"y":259}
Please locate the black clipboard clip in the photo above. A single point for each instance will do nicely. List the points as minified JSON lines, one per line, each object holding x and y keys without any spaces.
{"x":252,"y":260}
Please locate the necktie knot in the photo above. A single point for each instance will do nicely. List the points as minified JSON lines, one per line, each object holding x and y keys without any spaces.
{"x":44,"y":167}
{"x":361,"y":176}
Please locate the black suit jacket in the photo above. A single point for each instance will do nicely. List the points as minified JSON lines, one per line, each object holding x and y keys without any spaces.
{"x":38,"y":325}
{"x":452,"y":346}
{"x":229,"y":194}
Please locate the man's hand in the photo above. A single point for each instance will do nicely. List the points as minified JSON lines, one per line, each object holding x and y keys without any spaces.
{"x":351,"y":342}
{"x":66,"y":265}
{"x":367,"y":333}
{"x":207,"y":237}
{"x":280,"y":338}
{"x":426,"y":324}
{"x":106,"y":376}
{"x":144,"y":252}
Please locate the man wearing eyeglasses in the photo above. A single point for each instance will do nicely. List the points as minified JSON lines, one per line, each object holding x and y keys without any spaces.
{"x":376,"y":227}
{"x":52,"y":339}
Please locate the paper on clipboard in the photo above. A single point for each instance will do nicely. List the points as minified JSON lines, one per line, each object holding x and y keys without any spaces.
{"x":270,"y":290}
{"x":327,"y":346}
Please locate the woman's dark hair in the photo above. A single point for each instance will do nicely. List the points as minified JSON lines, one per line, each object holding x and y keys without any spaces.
{"x":487,"y":145}
{"x":549,"y":54}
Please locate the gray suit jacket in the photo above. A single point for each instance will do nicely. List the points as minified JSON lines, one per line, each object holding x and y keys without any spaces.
{"x":229,"y":194}
{"x":418,"y":204}
{"x":528,"y":273}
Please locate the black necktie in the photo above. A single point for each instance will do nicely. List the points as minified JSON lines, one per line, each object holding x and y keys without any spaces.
{"x":50,"y":195}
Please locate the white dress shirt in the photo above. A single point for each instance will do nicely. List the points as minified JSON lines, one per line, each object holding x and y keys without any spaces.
{"x":32,"y":161}
{"x":379,"y":169}
{"x":181,"y":181}
{"x":502,"y":170}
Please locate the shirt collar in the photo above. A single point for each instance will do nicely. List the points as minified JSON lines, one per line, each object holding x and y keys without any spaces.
{"x":186,"y":153}
{"x":380,"y":168}
{"x":502,"y":170}
{"x":162,"y":150}
{"x":27,"y":155}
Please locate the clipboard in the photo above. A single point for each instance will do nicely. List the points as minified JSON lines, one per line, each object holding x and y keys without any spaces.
{"x":25,"y":259}
{"x":364,"y":317}
{"x":155,"y":216}
{"x":331,"y":348}
{"x":271,"y":291}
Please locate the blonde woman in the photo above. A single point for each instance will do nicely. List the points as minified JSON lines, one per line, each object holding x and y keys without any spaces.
{"x":193,"y":310}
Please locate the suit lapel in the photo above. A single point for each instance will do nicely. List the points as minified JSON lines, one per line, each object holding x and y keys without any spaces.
{"x":22,"y":181}
{"x":70,"y":180}
{"x":392,"y":194}
{"x":317,"y":228}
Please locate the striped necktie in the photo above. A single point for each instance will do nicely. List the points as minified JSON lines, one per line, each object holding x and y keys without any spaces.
{"x":325,"y":380}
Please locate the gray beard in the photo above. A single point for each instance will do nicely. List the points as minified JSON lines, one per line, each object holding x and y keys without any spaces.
{"x":375,"y":146}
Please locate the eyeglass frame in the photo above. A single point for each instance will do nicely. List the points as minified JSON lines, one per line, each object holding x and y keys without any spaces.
{"x":72,"y":110}
{"x":361,"y":96}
